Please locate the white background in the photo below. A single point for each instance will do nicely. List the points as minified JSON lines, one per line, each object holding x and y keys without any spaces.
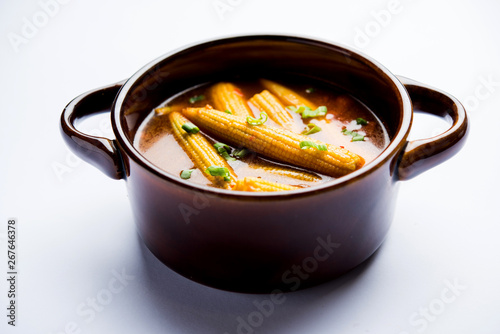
{"x":75,"y":225}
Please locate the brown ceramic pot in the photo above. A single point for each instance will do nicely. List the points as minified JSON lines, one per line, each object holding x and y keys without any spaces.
{"x":257,"y":242}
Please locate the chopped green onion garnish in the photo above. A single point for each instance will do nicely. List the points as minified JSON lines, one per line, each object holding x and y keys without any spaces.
{"x":222,"y":146}
{"x":321,"y":111}
{"x":298,"y":110}
{"x":306,"y":144}
{"x":224,"y":151}
{"x":219,"y":171}
{"x":355,"y":135}
{"x":186,"y":173}
{"x":361,"y":121}
{"x":259,"y":121}
{"x":241,"y":153}
{"x":312,"y":128}
{"x":227,"y":111}
{"x":358,"y":138}
{"x":196,"y":98}
{"x":190,"y":127}
{"x":310,"y":90}
{"x":308,"y":112}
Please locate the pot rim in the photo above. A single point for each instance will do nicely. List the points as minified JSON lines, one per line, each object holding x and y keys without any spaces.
{"x":396,"y":144}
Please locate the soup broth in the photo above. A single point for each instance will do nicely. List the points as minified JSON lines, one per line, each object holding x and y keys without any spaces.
{"x":347,"y":123}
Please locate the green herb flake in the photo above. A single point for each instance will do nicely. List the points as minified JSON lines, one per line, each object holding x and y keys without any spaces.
{"x":355,"y":135}
{"x":311,"y":128}
{"x":361,"y":121}
{"x":358,"y":138}
{"x":227,"y":111}
{"x":307,"y":112}
{"x":224,"y":150}
{"x":190,"y":128}
{"x":219,"y":171}
{"x":298,"y":110}
{"x":310,"y":90}
{"x":186,"y":173}
{"x":196,"y":98}
{"x":241,"y":153}
{"x":307,"y":144}
{"x":257,"y":121}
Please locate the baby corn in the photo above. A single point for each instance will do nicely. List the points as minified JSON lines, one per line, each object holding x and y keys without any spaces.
{"x":286,"y":95}
{"x":167,"y":109}
{"x":256,"y":184}
{"x":274,"y":143}
{"x":267,"y":102}
{"x":200,"y":151}
{"x":285,"y":171}
{"x":228,"y":97}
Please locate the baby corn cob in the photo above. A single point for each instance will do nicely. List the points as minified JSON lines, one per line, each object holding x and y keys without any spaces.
{"x":267,"y":102}
{"x":286,"y":95}
{"x":275,"y":143}
{"x":256,"y":184}
{"x":227,"y":96}
{"x":168,"y":109}
{"x":285,"y":171}
{"x":200,"y":151}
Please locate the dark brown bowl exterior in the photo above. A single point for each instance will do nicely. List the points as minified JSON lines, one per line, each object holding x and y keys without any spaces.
{"x":257,"y":244}
{"x":260,"y":242}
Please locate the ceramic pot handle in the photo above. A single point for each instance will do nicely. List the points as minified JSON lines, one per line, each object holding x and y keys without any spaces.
{"x":98,"y":151}
{"x":423,"y":154}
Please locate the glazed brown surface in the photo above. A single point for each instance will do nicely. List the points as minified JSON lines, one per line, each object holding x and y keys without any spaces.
{"x":155,"y":141}
{"x":254,"y":242}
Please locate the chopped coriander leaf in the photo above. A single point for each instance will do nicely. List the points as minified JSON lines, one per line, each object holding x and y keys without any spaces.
{"x":361,"y":121}
{"x":307,"y":144}
{"x":227,"y":111}
{"x":355,"y":135}
{"x":308,"y":112}
{"x":310,"y":90}
{"x":190,"y":127}
{"x":196,"y":98}
{"x":224,"y":150}
{"x":311,"y":128}
{"x":241,"y":153}
{"x":257,"y":121}
{"x":219,"y":171}
{"x":186,"y":173}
